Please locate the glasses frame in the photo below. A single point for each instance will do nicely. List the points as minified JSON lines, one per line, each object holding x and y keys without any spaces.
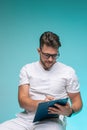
{"x":47,"y":56}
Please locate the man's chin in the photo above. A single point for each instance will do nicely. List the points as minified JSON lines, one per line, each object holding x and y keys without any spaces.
{"x":47,"y":67}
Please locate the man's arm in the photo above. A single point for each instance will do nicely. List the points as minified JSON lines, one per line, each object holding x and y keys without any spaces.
{"x":24,"y":98}
{"x":76,"y":101}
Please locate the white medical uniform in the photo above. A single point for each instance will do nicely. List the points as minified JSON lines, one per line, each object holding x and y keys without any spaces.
{"x":56,"y":81}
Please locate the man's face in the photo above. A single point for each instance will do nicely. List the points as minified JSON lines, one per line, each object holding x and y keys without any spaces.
{"x":48,"y":56}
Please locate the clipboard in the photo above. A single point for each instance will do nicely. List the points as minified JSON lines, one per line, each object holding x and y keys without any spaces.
{"x":42,"y":109}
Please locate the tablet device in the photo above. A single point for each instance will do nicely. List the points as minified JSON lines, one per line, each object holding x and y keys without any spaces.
{"x":42,"y":109}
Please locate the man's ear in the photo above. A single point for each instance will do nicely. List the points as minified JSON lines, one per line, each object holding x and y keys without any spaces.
{"x":38,"y":49}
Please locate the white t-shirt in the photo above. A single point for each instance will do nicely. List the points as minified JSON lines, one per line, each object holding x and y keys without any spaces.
{"x":56,"y":82}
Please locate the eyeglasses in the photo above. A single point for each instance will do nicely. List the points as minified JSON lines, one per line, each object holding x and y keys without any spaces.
{"x":47,"y":56}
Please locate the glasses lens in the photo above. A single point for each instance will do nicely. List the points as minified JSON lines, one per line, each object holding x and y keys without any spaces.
{"x":47,"y":56}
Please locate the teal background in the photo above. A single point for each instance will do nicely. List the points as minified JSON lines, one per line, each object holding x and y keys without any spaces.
{"x":21,"y":24}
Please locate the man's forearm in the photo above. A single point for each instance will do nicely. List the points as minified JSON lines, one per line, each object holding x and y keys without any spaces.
{"x":28,"y":103}
{"x":77,"y":106}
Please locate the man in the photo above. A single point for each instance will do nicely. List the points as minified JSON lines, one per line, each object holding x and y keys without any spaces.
{"x":43,"y":81}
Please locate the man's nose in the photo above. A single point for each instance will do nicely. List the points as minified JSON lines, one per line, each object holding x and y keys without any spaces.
{"x":51,"y":58}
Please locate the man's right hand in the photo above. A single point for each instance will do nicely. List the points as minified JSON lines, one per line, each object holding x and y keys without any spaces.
{"x":49,"y":98}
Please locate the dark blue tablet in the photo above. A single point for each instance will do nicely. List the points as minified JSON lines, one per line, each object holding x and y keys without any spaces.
{"x":42,"y":109}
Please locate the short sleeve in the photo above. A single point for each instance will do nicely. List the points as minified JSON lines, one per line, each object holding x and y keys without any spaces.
{"x":72,"y":82}
{"x":23,"y":77}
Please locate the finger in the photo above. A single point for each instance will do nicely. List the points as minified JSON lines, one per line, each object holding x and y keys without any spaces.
{"x":50,"y":97}
{"x":53,"y":111}
{"x":57,"y":106}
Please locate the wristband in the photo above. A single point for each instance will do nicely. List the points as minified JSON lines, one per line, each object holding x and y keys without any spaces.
{"x":71,"y":112}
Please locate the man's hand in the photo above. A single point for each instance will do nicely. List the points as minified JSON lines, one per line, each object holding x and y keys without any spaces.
{"x":49,"y":98}
{"x":60,"y":110}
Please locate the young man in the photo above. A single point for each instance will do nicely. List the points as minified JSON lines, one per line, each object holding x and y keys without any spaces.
{"x":43,"y":81}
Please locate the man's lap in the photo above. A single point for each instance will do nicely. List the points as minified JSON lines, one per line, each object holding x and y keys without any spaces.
{"x":23,"y":124}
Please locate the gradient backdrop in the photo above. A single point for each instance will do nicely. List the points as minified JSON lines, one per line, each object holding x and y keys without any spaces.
{"x":21,"y":24}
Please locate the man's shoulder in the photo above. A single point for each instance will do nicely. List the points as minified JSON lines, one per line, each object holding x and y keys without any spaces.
{"x":30,"y":65}
{"x":65,"y":66}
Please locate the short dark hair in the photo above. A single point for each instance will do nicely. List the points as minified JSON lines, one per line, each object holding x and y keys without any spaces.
{"x":50,"y":39}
